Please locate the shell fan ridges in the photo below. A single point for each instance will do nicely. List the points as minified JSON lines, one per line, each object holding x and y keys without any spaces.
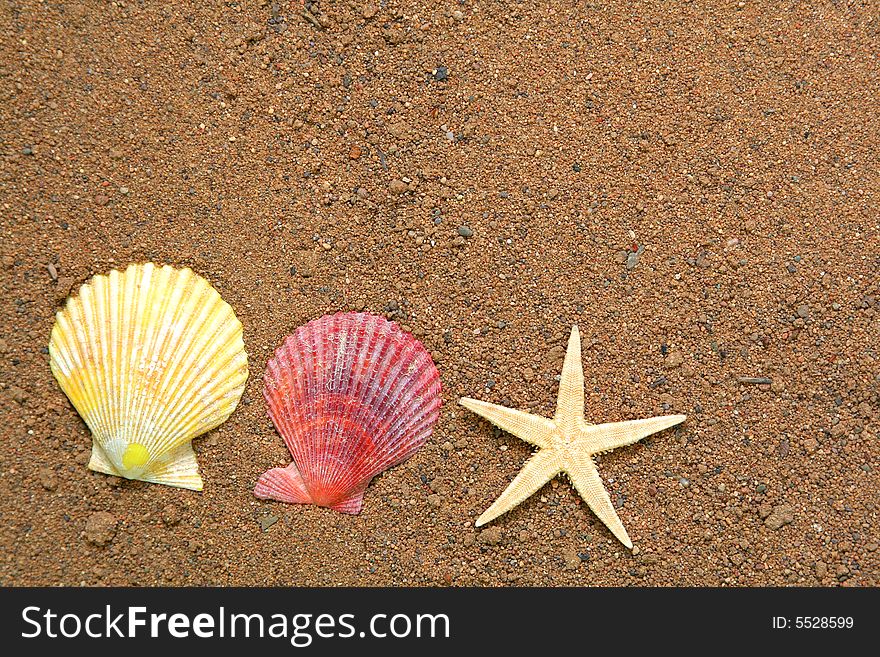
{"x":150,"y":358}
{"x":351,"y":394}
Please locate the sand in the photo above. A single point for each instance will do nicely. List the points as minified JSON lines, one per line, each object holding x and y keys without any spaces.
{"x":694,"y":186}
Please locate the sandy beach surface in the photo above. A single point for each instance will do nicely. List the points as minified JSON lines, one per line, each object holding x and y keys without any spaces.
{"x":695,"y":185}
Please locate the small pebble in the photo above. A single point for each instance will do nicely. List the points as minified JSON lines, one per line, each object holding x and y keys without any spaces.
{"x":267,"y":521}
{"x":780,"y":516}
{"x":171,"y":515}
{"x":100,"y":528}
{"x":491,"y":536}
{"x":19,"y":395}
{"x":47,"y":478}
{"x":571,"y":558}
{"x":632,"y":258}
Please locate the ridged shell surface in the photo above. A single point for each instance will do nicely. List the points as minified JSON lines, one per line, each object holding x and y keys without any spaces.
{"x":150,"y":358}
{"x":351,"y":394}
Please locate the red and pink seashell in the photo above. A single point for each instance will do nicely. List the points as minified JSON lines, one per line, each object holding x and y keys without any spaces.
{"x":351,"y":394}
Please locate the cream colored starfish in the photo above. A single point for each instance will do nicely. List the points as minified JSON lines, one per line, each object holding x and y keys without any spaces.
{"x":566,"y":444}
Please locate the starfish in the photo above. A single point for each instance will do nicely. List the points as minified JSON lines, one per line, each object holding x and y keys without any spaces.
{"x":566,"y":443}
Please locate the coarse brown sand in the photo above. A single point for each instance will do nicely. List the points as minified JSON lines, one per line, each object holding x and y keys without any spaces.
{"x":694,"y":184}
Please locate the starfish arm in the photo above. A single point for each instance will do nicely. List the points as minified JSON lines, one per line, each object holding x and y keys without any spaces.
{"x":605,"y":437}
{"x":531,"y":428}
{"x":583,"y":474}
{"x":537,"y":471}
{"x":570,"y":404}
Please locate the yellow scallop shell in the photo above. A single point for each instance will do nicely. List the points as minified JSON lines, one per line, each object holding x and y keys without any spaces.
{"x":151,"y":358}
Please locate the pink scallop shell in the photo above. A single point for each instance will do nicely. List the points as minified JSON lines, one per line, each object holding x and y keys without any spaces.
{"x":351,"y":394}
